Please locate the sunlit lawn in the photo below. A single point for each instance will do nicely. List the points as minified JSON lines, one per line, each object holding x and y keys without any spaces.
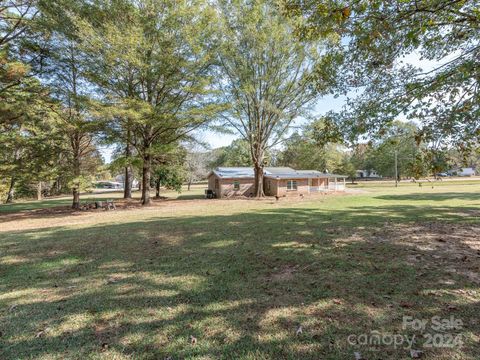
{"x":236,"y":279}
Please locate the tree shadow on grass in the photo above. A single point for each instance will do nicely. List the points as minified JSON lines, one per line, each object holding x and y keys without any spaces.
{"x":190,"y":196}
{"x":444,"y":196}
{"x":239,"y":284}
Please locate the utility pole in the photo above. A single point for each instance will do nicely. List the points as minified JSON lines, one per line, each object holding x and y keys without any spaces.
{"x":396,"y":169}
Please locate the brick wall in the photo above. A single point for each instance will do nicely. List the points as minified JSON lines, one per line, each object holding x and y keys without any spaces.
{"x":227,"y":188}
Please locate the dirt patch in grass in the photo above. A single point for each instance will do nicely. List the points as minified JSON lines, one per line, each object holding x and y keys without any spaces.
{"x":285,"y":273}
{"x":453,"y":247}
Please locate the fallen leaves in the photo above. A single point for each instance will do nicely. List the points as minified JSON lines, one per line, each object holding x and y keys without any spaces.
{"x":406,"y":304}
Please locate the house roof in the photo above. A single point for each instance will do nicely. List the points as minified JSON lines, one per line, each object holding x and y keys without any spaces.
{"x":279,"y":170}
{"x":303,"y":174}
{"x":234,"y":172}
{"x":271,"y":172}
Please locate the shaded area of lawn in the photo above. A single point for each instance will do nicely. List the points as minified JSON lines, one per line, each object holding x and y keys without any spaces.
{"x":444,"y":196}
{"x":54,"y":203}
{"x":240,"y":284}
{"x":31,"y":205}
{"x":196,"y":192}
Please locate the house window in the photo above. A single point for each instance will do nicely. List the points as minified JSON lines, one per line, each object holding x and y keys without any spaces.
{"x":236,"y":185}
{"x":292,"y":185}
{"x":217,"y":184}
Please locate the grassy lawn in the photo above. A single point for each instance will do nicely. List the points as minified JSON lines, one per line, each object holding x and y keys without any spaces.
{"x":242,"y":279}
{"x":195,"y":193}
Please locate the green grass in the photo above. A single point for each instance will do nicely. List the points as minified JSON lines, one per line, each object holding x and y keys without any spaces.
{"x":25,"y":205}
{"x":241,"y":276}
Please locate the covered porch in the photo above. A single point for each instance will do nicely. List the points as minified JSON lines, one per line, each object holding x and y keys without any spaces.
{"x":330,"y":183}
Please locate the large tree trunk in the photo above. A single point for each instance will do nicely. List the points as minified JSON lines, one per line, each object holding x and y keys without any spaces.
{"x":189,"y":184}
{"x":76,"y":198}
{"x":258,"y":169}
{"x":11,"y":191}
{"x":157,"y":188}
{"x":146,"y":179}
{"x":127,"y":187}
{"x":39,"y":191}
{"x":76,"y":184}
{"x":257,"y":152}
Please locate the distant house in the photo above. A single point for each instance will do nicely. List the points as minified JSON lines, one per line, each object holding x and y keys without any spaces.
{"x":278,"y":181}
{"x":108,"y":185}
{"x":121,"y":179}
{"x":463,"y":172}
{"x":368,"y":174}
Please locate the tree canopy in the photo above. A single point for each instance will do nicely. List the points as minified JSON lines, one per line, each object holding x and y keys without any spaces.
{"x":381,"y":44}
{"x":152,"y":60}
{"x":267,"y":75}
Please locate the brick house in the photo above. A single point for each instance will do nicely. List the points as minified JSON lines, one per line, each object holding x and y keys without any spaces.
{"x":278,"y":181}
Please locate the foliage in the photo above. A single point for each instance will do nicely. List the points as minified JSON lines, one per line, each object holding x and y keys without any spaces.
{"x":196,"y":165}
{"x":380,"y":41}
{"x":400,"y":139}
{"x":65,"y":73}
{"x":348,"y":168}
{"x":457,"y":159}
{"x":169,"y":168}
{"x":28,"y":124}
{"x":152,"y":60}
{"x":266,"y":76}
{"x":236,"y":154}
{"x":168,"y":176}
{"x":302,"y":152}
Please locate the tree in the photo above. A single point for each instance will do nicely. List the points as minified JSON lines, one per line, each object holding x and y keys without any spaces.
{"x":399,"y":138}
{"x":195,"y":166}
{"x":348,"y":168}
{"x":66,"y":72}
{"x":458,"y":158}
{"x":302,"y":152}
{"x":169,"y":169}
{"x":128,"y":163}
{"x":29,"y":147}
{"x":236,"y":154}
{"x":312,"y":150}
{"x":119,"y":133}
{"x":27,"y":122}
{"x":152,"y":59}
{"x":377,"y":38}
{"x":266,"y":76}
